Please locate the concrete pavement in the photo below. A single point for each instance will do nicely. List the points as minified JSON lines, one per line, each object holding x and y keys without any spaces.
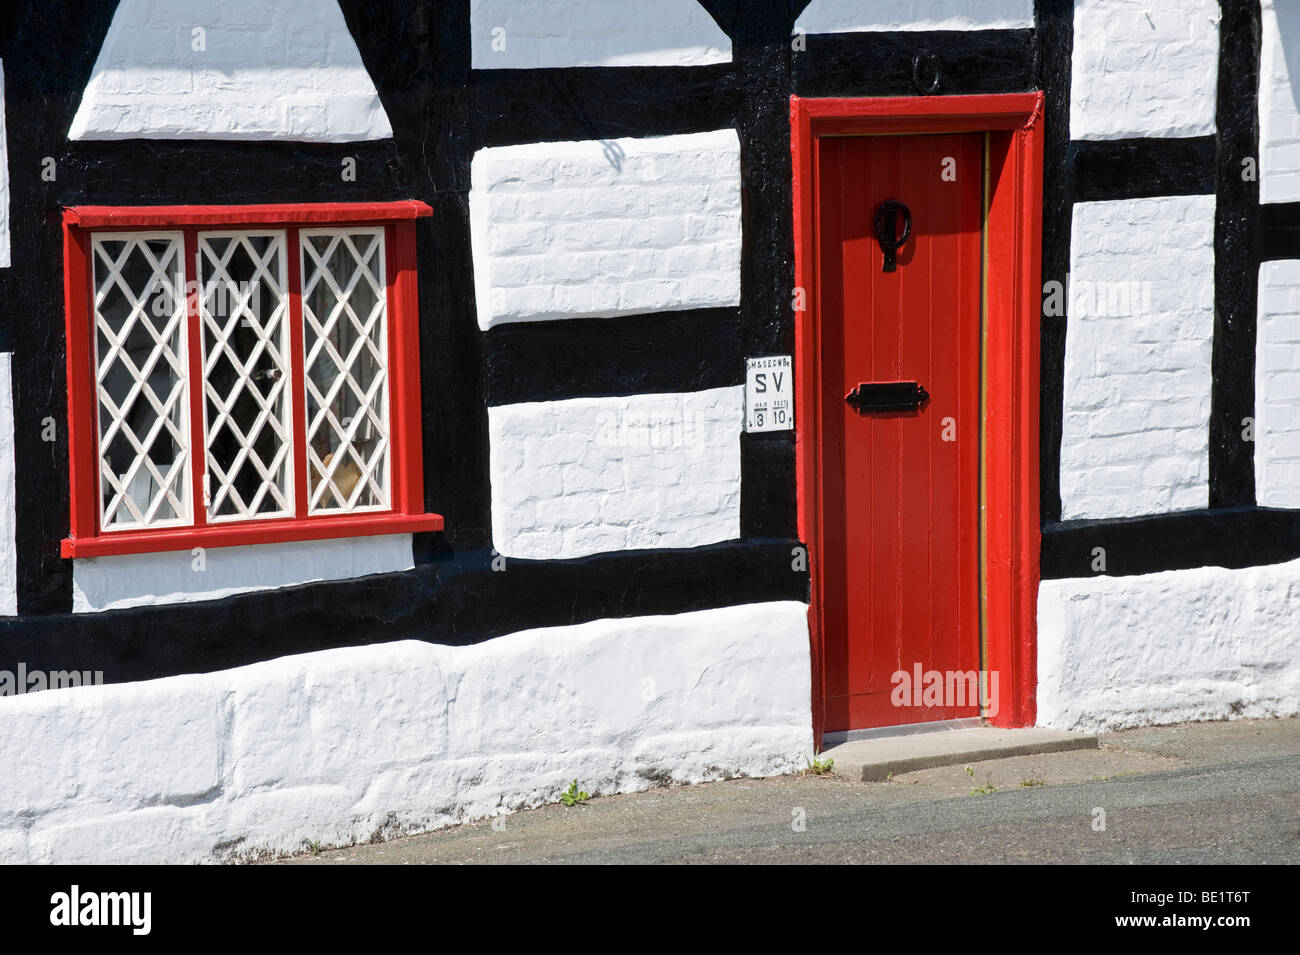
{"x":1210,"y":792}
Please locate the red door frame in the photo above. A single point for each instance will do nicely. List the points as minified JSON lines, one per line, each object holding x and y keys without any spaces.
{"x":1009,"y":454}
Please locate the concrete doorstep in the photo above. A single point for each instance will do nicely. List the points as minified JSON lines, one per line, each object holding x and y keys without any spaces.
{"x":875,"y":760}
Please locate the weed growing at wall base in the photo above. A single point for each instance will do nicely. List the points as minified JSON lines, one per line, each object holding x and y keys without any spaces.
{"x":573,"y":796}
{"x":818,"y":766}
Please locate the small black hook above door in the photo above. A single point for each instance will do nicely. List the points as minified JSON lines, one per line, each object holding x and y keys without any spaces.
{"x":887,"y":214}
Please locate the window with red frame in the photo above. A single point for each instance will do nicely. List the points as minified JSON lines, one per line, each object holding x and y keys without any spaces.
{"x":242,"y":374}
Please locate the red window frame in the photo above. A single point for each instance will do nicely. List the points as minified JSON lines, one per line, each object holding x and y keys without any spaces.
{"x":407,"y":514}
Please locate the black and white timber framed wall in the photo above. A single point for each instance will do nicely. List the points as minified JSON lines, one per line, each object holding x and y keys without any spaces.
{"x":444,"y":110}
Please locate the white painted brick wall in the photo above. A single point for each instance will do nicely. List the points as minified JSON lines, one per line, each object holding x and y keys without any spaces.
{"x":526,"y":34}
{"x":339,"y":745}
{"x":597,"y":229}
{"x":1137,"y":386}
{"x":1279,"y":113}
{"x":590,"y":475}
{"x":283,"y":70}
{"x":1277,"y":385}
{"x":1183,"y":645}
{"x":141,"y":580}
{"x":853,"y":16}
{"x":1144,"y":68}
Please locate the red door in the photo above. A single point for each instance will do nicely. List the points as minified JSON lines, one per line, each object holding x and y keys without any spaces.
{"x":900,"y":408}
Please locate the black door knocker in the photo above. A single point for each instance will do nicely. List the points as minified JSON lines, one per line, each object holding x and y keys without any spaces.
{"x":886,"y":228}
{"x":936,"y":74}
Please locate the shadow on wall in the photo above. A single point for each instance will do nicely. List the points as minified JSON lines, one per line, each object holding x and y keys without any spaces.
{"x":1288,"y":29}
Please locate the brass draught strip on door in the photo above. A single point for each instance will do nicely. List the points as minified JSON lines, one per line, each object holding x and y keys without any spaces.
{"x":983,"y":502}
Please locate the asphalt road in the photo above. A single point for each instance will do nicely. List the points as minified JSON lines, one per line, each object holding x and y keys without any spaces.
{"x":1201,"y":793}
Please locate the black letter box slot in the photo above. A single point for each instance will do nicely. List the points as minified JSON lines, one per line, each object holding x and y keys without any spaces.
{"x":887,"y":396}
